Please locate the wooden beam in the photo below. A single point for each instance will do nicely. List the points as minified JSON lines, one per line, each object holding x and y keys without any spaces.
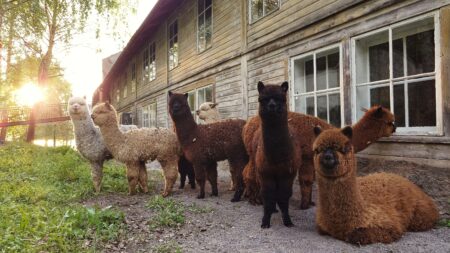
{"x":38,"y":121}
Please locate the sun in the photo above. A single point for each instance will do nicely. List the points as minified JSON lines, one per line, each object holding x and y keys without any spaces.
{"x":29,"y":94}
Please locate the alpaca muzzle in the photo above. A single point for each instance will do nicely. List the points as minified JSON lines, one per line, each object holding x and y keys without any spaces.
{"x":328,"y":160}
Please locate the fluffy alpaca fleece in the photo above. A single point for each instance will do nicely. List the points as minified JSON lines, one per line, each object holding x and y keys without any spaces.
{"x":377,"y":122}
{"x":276,"y":152}
{"x":205,"y":145}
{"x":88,"y":138}
{"x":376,"y":208}
{"x":134,"y":148}
{"x":208,"y":112}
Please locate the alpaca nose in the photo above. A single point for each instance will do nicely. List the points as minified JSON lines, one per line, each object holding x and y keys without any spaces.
{"x":92,"y":116}
{"x":328,"y":160}
{"x":176,"y":107}
{"x":272,"y":105}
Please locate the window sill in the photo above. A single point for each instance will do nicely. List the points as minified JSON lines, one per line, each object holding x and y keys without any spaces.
{"x":417,"y":139}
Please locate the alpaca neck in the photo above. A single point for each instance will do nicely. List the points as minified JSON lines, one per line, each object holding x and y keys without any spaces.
{"x":185,"y":127}
{"x":366,"y":131}
{"x":83,"y":126}
{"x":113,"y":137}
{"x":276,"y":139}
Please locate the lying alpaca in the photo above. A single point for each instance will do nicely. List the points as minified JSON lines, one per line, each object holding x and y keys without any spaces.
{"x":208,"y":112}
{"x":88,"y":139}
{"x":276,"y":152}
{"x":377,"y":122}
{"x":135,"y":147}
{"x":204,"y":145}
{"x":362,"y":210}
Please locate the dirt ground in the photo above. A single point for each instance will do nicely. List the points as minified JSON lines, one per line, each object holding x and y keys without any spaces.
{"x":235,"y":227}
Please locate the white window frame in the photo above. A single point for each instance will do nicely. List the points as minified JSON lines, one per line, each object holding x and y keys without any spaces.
{"x":203,"y":15}
{"x":408,"y":131}
{"x":250,"y":17}
{"x":177,"y":62}
{"x":325,"y":91}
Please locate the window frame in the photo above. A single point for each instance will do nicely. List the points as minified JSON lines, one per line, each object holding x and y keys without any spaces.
{"x":168,"y":45}
{"x":250,"y":18}
{"x":404,"y":131}
{"x":148,"y":109}
{"x":203,"y":14}
{"x":326,"y":91}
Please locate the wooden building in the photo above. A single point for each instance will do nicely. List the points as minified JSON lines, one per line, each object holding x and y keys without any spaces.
{"x":338,"y":55}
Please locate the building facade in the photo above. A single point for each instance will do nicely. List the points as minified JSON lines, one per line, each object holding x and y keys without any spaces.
{"x":338,"y":56}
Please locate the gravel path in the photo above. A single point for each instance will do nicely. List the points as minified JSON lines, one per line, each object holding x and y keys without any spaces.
{"x":235,"y":227}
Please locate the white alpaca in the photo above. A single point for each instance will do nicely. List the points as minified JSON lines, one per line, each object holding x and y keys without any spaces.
{"x":88,"y":138}
{"x":208,"y":112}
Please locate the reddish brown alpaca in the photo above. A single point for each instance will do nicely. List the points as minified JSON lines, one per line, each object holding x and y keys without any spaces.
{"x":205,"y":145}
{"x":277,"y":154}
{"x":362,"y":210}
{"x":377,"y":122}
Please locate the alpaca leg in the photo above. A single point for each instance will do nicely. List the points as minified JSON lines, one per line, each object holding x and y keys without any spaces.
{"x":133,"y":177}
{"x":143,"y":177}
{"x":183,"y":171}
{"x":252,"y":188}
{"x":97,"y":175}
{"x":306,"y":179}
{"x":191,"y":176}
{"x":284,"y":193}
{"x":200,"y":177}
{"x":238,"y":166}
{"x":233,"y":180}
{"x":170,"y":172}
{"x":370,"y":235}
{"x":268,"y":189}
{"x":211,"y":173}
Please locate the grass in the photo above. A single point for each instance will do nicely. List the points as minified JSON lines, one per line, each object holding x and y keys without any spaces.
{"x":40,"y":191}
{"x":170,"y":213}
{"x":168,"y":247}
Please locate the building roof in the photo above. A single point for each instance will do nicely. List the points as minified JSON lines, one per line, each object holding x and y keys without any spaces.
{"x":142,"y":36}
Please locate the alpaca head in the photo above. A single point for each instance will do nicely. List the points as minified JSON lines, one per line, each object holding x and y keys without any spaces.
{"x":78,"y":108}
{"x":333,"y":152}
{"x":382,"y":117}
{"x":208,"y":111}
{"x":178,"y":105}
{"x":272,"y":100}
{"x":104,"y":114}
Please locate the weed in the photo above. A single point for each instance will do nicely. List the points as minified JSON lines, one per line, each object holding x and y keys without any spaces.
{"x":169,"y":212}
{"x":168,"y":247}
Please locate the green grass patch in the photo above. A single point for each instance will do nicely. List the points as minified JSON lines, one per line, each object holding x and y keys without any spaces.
{"x":168,"y":247}
{"x":40,"y":191}
{"x":169,"y":213}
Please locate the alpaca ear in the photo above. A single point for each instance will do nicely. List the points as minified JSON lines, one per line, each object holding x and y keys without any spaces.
{"x":378,"y":112}
{"x":317,"y":130}
{"x":260,"y":86}
{"x":108,"y":105}
{"x":285,"y":86}
{"x":186,"y":95}
{"x":347,"y":131}
{"x":170,"y":93}
{"x":213,"y":105}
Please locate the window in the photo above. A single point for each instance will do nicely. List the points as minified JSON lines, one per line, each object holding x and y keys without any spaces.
{"x":133,"y":77}
{"x":261,"y":8}
{"x":149,"y":115}
{"x":204,"y":25}
{"x":117,"y":94}
{"x":395,"y":67}
{"x":149,"y":63}
{"x":125,"y":85}
{"x":317,"y":82}
{"x":199,"y":96}
{"x":173,"y":45}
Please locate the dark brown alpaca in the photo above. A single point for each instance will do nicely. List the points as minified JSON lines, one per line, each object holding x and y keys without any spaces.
{"x":205,"y":145}
{"x":276,"y":152}
{"x":377,"y":122}
{"x":186,"y":169}
{"x":376,"y":208}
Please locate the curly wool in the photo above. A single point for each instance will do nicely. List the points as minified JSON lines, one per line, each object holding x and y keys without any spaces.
{"x":88,"y":139}
{"x":137,"y":146}
{"x":376,"y":208}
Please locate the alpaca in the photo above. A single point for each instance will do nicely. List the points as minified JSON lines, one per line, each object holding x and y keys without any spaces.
{"x":376,"y":208}
{"x":277,"y":154}
{"x":88,"y":138}
{"x":205,"y":145}
{"x":186,"y":169}
{"x":208,"y":112}
{"x":135,"y":147}
{"x":377,"y":122}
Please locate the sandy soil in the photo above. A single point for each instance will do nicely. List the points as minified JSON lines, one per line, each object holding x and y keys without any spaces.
{"x":235,"y":227}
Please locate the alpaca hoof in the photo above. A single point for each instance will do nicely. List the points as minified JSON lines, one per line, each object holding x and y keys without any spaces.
{"x":265,"y":225}
{"x":131,"y":193}
{"x":215,"y":193}
{"x":201,"y":196}
{"x":312,"y":203}
{"x":234,"y":199}
{"x":288,"y":224}
{"x":165,"y":194}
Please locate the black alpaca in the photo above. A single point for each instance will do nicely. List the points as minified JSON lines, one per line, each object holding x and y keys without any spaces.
{"x":186,"y":169}
{"x":277,"y":155}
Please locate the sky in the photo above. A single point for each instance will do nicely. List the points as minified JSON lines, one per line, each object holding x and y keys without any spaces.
{"x":82,"y":62}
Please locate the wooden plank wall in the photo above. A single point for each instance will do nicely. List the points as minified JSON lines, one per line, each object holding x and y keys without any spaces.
{"x":228,"y":93}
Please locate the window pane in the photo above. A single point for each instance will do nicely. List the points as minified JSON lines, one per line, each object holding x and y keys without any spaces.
{"x":201,"y":33}
{"x":208,"y":3}
{"x":208,"y":27}
{"x":333,"y":70}
{"x":379,"y":62}
{"x":200,"y":97}
{"x":309,"y":75}
{"x":257,"y":9}
{"x":420,"y":52}
{"x":191,"y":100}
{"x":335,"y":110}
{"x":399,"y":105}
{"x":270,"y":5}
{"x":380,"y":96}
{"x":310,"y":106}
{"x":321,"y":67}
{"x":201,"y":6}
{"x":208,"y":94}
{"x":422,"y":103}
{"x":322,"y":107}
{"x":397,"y":46}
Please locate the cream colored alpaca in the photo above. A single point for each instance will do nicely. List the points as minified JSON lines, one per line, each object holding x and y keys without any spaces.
{"x":208,"y":112}
{"x":135,"y":147}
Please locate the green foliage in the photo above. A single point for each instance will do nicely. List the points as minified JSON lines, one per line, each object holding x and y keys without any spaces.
{"x":40,"y":190}
{"x":168,"y":247}
{"x":169,"y":212}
